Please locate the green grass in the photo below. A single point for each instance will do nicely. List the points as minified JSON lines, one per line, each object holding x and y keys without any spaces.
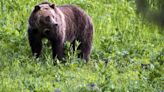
{"x":127,"y":55}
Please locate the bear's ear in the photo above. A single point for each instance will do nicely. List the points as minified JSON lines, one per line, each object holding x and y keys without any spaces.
{"x":52,"y":6}
{"x":37,"y":7}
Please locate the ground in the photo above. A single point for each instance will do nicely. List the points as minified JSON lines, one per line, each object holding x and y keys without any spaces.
{"x":127,"y":54}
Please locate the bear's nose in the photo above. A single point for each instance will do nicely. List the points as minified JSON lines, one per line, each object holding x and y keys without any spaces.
{"x":46,"y":31}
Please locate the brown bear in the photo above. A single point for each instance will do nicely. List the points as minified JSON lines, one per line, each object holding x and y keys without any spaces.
{"x":60,"y":24}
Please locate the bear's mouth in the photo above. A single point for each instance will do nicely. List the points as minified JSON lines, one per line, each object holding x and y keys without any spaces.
{"x":46,"y":31}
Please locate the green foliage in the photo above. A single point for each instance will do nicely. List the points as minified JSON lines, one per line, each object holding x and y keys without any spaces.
{"x":127,"y":55}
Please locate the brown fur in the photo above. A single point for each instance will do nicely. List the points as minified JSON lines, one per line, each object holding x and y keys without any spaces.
{"x":60,"y":24}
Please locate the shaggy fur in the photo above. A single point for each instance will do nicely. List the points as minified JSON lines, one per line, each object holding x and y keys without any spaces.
{"x":60,"y":24}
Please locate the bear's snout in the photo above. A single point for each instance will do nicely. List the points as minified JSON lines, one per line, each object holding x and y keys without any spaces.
{"x":46,"y":31}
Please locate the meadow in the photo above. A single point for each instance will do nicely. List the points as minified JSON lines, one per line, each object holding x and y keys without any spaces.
{"x":127,"y":52}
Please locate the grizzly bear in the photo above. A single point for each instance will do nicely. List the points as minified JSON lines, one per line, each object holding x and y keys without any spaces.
{"x":60,"y":24}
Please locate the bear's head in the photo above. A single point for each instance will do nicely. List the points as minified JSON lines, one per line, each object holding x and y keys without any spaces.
{"x":45,"y":17}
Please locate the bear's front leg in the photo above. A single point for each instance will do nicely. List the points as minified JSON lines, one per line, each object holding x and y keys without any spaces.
{"x":35,"y":42}
{"x":57,"y":49}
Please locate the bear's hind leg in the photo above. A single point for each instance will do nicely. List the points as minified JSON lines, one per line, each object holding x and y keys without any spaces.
{"x":85,"y":50}
{"x":86,"y":41}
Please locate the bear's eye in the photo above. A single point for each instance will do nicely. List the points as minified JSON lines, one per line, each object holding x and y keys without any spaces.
{"x":55,"y":24}
{"x":46,"y":8}
{"x":48,"y":18}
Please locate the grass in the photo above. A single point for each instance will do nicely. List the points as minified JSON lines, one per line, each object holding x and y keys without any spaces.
{"x":127,"y":55}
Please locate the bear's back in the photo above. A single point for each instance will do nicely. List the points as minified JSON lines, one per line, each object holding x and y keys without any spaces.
{"x":76,"y":20}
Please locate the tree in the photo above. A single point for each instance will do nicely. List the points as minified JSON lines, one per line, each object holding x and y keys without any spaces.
{"x":152,"y":10}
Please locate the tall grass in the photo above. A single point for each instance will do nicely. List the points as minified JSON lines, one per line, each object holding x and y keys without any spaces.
{"x":127,"y":55}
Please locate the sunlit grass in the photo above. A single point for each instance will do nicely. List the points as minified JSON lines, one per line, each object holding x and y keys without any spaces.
{"x":127,"y":55}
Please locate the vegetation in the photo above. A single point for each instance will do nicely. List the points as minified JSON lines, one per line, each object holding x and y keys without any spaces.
{"x":152,"y":10}
{"x":127,"y":55}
